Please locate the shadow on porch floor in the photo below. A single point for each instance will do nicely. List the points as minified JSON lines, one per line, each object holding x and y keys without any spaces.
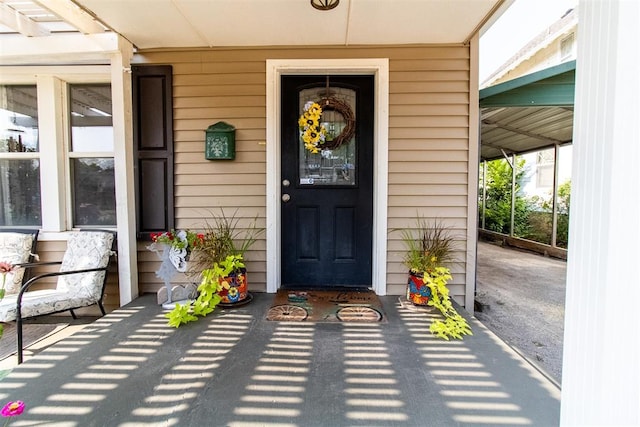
{"x":234,"y":368}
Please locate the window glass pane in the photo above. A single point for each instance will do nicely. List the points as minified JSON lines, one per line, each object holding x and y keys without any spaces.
{"x":18,"y":119}
{"x":545,"y":168}
{"x":19,"y":177}
{"x":94,"y":195}
{"x":20,"y":192}
{"x":335,"y":165}
{"x":565,"y":159}
{"x":91,"y":121}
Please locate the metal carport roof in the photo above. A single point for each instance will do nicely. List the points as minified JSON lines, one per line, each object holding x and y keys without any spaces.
{"x":529,"y":113}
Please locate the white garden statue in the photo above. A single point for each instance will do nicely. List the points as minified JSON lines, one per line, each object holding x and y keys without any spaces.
{"x":173,"y":249}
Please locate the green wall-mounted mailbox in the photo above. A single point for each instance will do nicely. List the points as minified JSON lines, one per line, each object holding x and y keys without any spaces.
{"x":220,"y":143}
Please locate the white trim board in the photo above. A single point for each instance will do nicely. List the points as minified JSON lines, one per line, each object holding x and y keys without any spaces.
{"x":379,"y":67}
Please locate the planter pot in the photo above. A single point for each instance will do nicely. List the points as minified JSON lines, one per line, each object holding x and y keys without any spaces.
{"x":417,"y":292}
{"x":235,"y":288}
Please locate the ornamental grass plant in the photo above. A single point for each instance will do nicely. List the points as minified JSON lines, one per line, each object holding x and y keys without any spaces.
{"x":219,"y":255}
{"x":430,"y":252}
{"x":221,"y":238}
{"x":428,"y":246}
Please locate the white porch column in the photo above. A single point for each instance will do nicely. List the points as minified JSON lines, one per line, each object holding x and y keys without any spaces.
{"x":52,"y":99}
{"x":601,"y":369}
{"x":123,"y":159}
{"x":472,"y":180}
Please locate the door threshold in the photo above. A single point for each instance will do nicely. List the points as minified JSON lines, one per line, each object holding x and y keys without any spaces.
{"x":326,"y":288}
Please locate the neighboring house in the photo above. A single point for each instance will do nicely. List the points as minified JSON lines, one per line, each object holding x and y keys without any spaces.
{"x":553,"y":46}
{"x":147,"y":83}
{"x":527,"y":110}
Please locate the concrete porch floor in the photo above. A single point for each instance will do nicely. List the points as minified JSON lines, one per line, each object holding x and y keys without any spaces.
{"x":234,"y":368}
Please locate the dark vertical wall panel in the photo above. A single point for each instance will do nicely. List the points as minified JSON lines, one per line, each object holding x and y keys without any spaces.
{"x":153,"y":184}
{"x":152,"y":93}
{"x":153,"y":139}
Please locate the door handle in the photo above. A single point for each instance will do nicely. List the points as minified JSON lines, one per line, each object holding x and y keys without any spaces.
{"x":286,"y":198}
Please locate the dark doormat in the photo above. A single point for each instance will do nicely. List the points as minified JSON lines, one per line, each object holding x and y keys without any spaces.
{"x":326,"y":306}
{"x":31,"y":333}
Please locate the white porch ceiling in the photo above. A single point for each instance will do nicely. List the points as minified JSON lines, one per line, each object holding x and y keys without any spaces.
{"x":150,"y":24}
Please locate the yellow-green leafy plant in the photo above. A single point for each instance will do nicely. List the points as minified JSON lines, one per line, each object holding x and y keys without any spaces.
{"x":430,"y":249}
{"x":219,"y":253}
{"x":454,"y":325}
{"x":208,"y":297}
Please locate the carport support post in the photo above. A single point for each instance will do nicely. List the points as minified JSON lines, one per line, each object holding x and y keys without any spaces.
{"x":512,"y":163}
{"x":554,"y":199}
{"x":512,"y":231}
{"x":484,"y":191}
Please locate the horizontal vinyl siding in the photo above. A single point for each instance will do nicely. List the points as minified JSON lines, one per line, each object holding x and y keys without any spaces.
{"x":206,"y":93}
{"x":428,"y":154}
{"x":428,"y":141}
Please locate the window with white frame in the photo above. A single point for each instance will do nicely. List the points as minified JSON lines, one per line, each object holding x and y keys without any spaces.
{"x":57,"y":168}
{"x":567,"y":47}
{"x":20,"y":202}
{"x":91,"y":155}
{"x":545,"y":161}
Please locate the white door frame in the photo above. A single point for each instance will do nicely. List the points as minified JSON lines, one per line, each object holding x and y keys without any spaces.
{"x":378,"y":67}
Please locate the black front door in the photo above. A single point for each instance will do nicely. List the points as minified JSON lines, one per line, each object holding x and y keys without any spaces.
{"x":327,"y":196}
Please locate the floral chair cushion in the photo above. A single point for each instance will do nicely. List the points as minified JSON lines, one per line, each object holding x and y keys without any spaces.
{"x":36,"y":303}
{"x":15,"y":248}
{"x":85,"y":249}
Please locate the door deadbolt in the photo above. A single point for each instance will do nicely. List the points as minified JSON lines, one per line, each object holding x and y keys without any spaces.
{"x":286,"y":183}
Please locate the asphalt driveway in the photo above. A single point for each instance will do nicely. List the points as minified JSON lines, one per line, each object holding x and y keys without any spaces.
{"x":522,"y":297}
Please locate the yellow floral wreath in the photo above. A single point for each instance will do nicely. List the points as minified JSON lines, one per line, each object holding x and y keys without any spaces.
{"x":311,"y":130}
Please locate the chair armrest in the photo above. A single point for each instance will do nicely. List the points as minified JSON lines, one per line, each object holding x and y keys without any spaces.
{"x":31,"y":281}
{"x":36,"y":264}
